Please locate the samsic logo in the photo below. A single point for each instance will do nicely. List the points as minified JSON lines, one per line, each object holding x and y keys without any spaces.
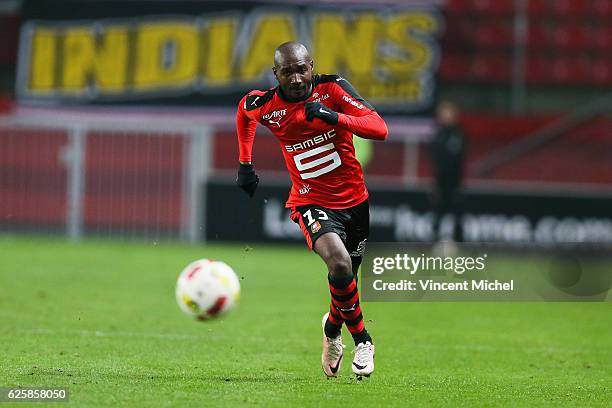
{"x":134,"y":58}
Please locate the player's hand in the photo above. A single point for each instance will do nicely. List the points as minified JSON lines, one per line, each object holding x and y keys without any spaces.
{"x":247,"y":179}
{"x":318,"y":110}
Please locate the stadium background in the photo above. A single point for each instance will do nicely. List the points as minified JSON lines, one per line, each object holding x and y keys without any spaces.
{"x":531,"y":78}
{"x":116,"y":125}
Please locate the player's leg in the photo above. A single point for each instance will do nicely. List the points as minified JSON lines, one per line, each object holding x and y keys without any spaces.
{"x":355,"y":264}
{"x":357,"y":234}
{"x":345,"y":298}
{"x":358,"y":231}
{"x":343,"y":288}
{"x":329,"y":246}
{"x":315,"y":222}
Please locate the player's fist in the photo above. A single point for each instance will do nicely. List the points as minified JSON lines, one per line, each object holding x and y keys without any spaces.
{"x":247,"y":179}
{"x":318,"y":110}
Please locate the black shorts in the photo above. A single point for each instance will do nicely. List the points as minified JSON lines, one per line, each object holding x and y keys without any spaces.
{"x":351,"y":224}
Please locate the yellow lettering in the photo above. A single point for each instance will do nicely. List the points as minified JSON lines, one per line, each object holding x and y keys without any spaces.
{"x":100,"y":62}
{"x":167,"y":56}
{"x":218,"y":62}
{"x":343,"y":46}
{"x":415,"y":53}
{"x":272,"y":30}
{"x":42,"y":73}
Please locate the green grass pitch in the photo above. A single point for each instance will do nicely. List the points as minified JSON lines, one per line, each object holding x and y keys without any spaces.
{"x":100,"y":318}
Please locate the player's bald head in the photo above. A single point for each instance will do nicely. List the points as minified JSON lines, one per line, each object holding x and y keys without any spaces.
{"x":293,"y":70}
{"x":291,"y":52}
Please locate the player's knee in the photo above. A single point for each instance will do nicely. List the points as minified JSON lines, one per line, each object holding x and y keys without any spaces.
{"x":340,"y":266}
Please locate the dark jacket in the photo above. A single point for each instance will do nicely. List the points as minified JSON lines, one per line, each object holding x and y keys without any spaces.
{"x":447,"y":151}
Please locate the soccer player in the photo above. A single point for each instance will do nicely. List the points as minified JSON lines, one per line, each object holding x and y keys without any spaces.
{"x":314,"y":118}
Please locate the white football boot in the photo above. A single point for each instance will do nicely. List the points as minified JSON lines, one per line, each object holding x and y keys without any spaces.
{"x":363,"y":363}
{"x":333,"y":351}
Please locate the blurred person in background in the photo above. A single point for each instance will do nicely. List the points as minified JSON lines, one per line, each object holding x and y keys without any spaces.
{"x":447,"y":151}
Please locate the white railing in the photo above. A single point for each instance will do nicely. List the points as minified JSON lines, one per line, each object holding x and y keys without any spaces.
{"x":107,"y":199}
{"x":194,"y":132}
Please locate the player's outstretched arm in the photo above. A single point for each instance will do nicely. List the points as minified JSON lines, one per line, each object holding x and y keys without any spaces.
{"x":354,"y":114}
{"x":357,"y":116}
{"x":368,"y":126}
{"x":245,"y":128}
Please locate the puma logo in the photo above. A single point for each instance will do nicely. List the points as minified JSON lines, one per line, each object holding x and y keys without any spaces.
{"x":254,"y":101}
{"x":276,"y":122}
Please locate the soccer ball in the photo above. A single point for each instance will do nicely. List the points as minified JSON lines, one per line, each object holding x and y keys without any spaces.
{"x":207,"y":289}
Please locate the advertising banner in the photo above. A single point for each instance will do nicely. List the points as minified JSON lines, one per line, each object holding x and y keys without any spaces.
{"x":212,"y":53}
{"x":405,"y":216}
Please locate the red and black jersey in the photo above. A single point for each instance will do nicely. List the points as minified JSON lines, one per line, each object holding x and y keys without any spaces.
{"x":320,"y":157}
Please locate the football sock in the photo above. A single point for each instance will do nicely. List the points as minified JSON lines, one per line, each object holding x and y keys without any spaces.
{"x":333,"y":323}
{"x":345,"y":299}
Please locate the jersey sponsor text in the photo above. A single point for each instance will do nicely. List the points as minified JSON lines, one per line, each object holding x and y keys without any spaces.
{"x":311,"y":142}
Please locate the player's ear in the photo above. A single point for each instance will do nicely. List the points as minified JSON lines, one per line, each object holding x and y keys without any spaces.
{"x":274,"y":70}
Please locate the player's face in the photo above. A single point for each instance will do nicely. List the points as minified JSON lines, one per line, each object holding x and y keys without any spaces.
{"x":295,"y":78}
